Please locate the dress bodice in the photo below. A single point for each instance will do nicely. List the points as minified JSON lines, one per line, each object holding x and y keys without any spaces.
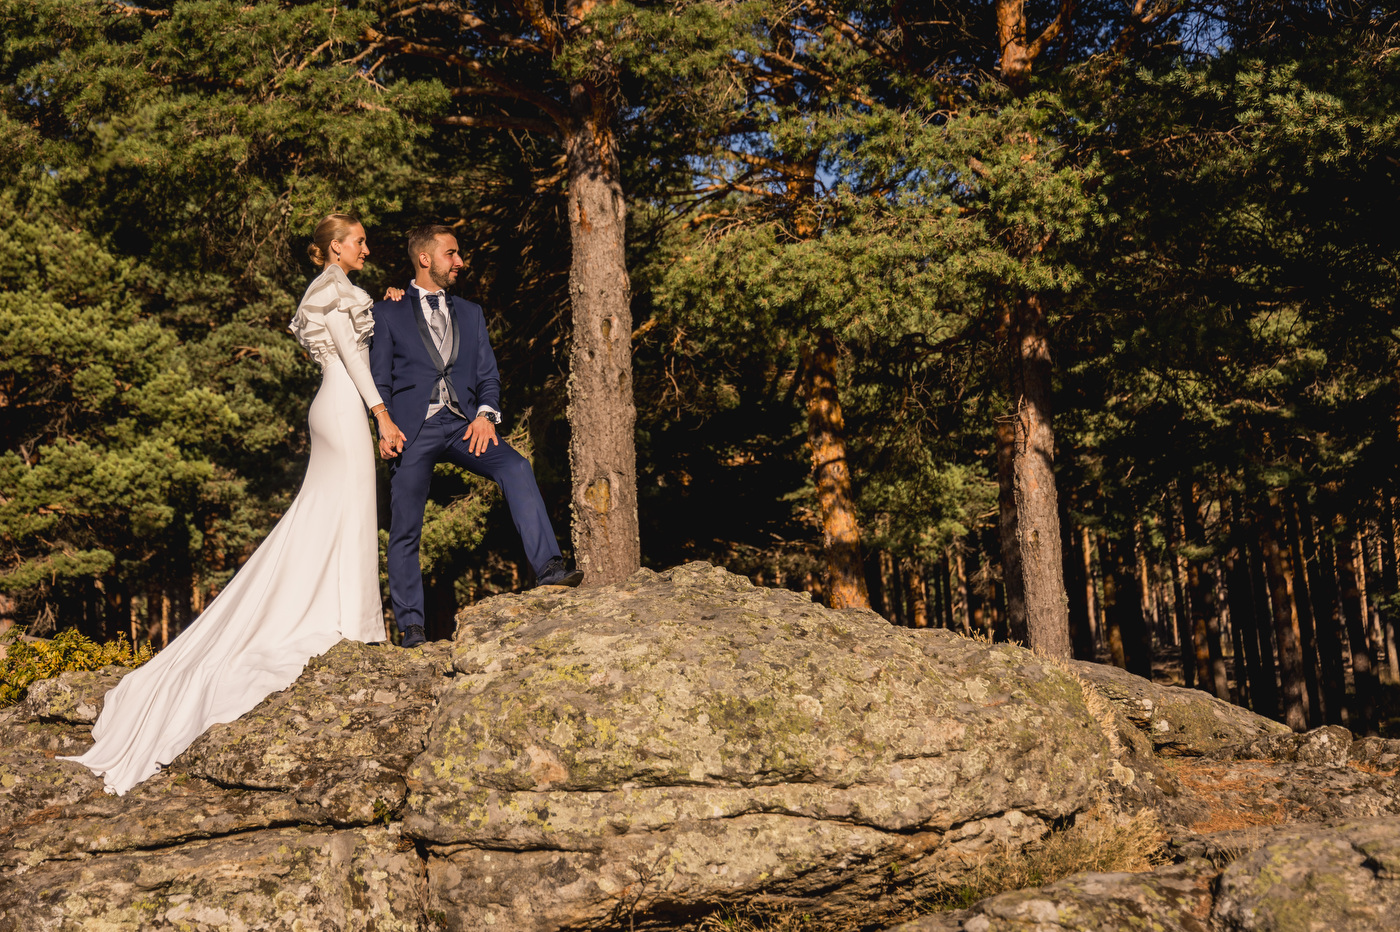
{"x":329,"y":292}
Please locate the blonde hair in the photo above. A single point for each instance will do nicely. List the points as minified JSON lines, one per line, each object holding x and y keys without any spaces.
{"x":333,"y":227}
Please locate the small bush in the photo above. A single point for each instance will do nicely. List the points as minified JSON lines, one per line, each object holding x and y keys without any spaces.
{"x":25,"y":661}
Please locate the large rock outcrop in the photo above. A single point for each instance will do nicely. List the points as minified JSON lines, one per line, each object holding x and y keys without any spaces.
{"x":685,"y":739}
{"x":647,"y":751}
{"x":1338,"y":878}
{"x":639,"y":756}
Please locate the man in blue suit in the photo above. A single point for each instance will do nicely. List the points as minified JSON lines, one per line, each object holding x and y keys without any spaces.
{"x":432,"y":363}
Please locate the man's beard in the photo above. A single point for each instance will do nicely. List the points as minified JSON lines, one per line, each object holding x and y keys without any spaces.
{"x":442,"y":275}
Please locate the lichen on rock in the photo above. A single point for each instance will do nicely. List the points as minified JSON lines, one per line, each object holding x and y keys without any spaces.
{"x":705,"y":739}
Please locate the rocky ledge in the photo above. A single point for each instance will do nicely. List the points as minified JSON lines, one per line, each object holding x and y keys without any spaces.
{"x":644,"y":755}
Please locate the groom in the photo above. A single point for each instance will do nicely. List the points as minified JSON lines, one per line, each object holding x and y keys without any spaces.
{"x":433,"y":365}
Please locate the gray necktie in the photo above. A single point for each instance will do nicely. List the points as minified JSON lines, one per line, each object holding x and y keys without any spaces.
{"x":437,"y":321}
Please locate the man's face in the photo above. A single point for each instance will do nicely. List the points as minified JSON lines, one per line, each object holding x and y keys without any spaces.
{"x":444,"y":262}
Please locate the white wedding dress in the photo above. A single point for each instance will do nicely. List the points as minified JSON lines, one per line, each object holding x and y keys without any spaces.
{"x":312,"y":582}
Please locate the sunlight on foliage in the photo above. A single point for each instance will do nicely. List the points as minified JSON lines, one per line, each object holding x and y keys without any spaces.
{"x":25,"y":662}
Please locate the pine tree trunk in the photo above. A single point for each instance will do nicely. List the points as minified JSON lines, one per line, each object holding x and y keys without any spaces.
{"x":1278,"y":564}
{"x":950,"y":597}
{"x":962,"y":600}
{"x":1037,"y":505}
{"x":1076,"y":587}
{"x":1386,"y":544}
{"x":1012,"y":577}
{"x":1267,"y":688}
{"x":1151,"y":607}
{"x":1385,"y":558}
{"x":1123,"y":605}
{"x":916,"y":592}
{"x":876,"y":585}
{"x":826,"y":436}
{"x":1205,"y":621}
{"x":1365,"y":582}
{"x":1091,"y":588}
{"x":1307,"y":626}
{"x":889,"y":586}
{"x":602,"y":415}
{"x":1365,"y":686}
{"x":1242,"y":624}
{"x":1187,"y":645}
{"x":1331,"y":626}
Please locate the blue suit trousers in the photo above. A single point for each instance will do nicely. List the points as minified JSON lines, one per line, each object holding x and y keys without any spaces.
{"x":409,"y":478}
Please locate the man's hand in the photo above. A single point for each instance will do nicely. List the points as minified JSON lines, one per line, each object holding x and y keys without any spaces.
{"x":391,"y":439}
{"x":479,"y":434}
{"x":393,"y":294}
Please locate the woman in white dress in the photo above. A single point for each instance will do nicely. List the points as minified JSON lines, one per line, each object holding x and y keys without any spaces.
{"x":312,"y":582}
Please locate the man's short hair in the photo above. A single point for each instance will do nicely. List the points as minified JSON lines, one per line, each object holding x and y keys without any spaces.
{"x":420,"y":239}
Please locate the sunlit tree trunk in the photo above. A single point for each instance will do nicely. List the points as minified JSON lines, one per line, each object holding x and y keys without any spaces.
{"x":602,"y":415}
{"x":826,"y":436}
{"x":916,"y":593}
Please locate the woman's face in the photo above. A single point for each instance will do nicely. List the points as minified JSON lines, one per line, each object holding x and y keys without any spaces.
{"x":350,"y":253}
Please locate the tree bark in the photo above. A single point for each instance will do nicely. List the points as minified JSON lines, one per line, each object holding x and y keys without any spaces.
{"x":1123,"y":606}
{"x":1385,"y":543}
{"x":1385,"y":560}
{"x":1012,"y":578}
{"x":1077,"y":588}
{"x":1243,"y":621}
{"x":1037,"y":505}
{"x":602,"y":415}
{"x":1264,"y":630}
{"x":1331,"y":625}
{"x":1182,"y":613}
{"x":1091,"y":588}
{"x":1278,"y":565}
{"x":1363,"y":673}
{"x":1307,"y":627}
{"x":1018,"y":50}
{"x":916,"y":591}
{"x":1205,"y":618}
{"x":826,"y":435}
{"x":962,"y":601}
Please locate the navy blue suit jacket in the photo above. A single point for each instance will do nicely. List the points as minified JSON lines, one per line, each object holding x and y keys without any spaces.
{"x":404,"y":372}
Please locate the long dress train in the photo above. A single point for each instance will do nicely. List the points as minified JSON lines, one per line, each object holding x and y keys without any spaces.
{"x":313,"y":581}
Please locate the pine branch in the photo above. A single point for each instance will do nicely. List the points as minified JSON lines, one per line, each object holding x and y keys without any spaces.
{"x":542,"y":127}
{"x":503,"y":85}
{"x":129,"y":9}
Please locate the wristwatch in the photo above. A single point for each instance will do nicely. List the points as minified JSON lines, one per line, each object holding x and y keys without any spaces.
{"x":492,"y":416}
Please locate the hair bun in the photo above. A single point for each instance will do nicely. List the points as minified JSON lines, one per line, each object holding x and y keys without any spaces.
{"x":333,"y":227}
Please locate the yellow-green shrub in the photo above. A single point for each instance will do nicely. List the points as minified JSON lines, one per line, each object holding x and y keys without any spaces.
{"x":26,"y":661}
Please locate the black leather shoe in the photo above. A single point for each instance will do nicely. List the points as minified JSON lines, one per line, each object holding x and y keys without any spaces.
{"x":557,"y":573}
{"x":414,"y":636}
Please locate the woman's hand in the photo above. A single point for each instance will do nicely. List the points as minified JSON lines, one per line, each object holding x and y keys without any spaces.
{"x":391,"y":439}
{"x":393,"y":294}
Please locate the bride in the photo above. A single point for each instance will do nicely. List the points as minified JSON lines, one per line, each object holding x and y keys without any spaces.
{"x":312,"y":582}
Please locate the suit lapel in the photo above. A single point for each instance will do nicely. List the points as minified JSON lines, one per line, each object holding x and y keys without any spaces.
{"x":456,"y":333}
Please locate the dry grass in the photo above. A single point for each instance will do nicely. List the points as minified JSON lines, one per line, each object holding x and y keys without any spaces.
{"x":1373,"y":769}
{"x":1236,"y":794}
{"x":1100,"y":841}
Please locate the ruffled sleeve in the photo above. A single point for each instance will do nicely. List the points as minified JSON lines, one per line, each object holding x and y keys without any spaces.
{"x":334,"y":319}
{"x":329,"y":292}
